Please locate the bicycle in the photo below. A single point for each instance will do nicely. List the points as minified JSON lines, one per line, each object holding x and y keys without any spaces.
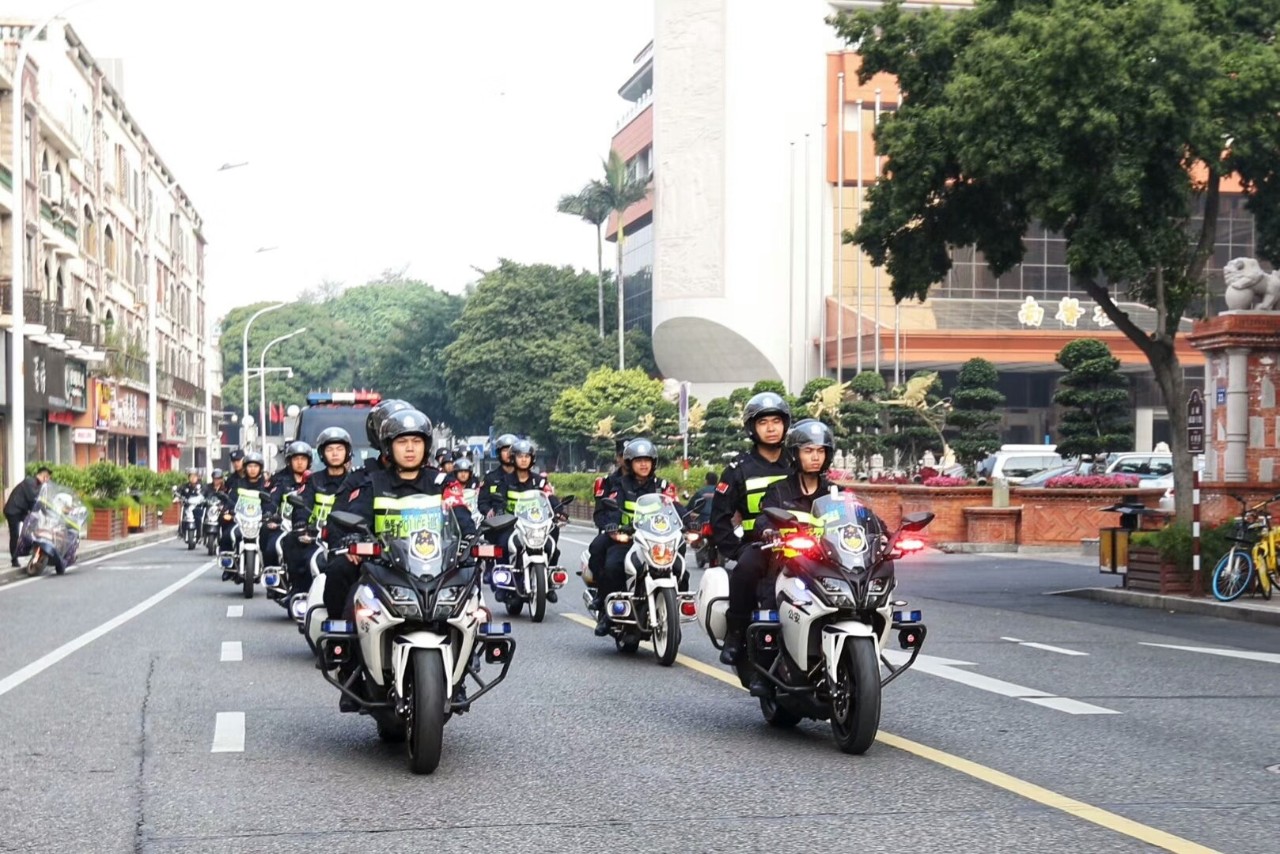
{"x":1256,"y":544}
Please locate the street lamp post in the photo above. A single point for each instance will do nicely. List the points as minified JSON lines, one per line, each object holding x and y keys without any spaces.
{"x":244,"y":358}
{"x":262,"y":378}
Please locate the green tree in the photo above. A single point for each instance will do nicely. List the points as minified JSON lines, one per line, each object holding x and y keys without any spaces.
{"x":814,"y":387}
{"x":620,"y":190}
{"x":975,"y":415}
{"x":909,"y":433}
{"x":721,"y":432}
{"x":1111,"y":123}
{"x":591,"y":206}
{"x":525,"y":335}
{"x":1094,"y":396}
{"x":861,"y":419}
{"x":611,"y":404}
{"x":410,"y":363}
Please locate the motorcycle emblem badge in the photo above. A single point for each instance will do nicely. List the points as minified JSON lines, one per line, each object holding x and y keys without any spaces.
{"x":853,"y":539}
{"x":660,"y":524}
{"x":424,"y":544}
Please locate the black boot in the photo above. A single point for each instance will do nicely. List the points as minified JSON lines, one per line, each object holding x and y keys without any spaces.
{"x":602,"y":624}
{"x":551,"y":595}
{"x":734,"y":636}
{"x":759,"y":686}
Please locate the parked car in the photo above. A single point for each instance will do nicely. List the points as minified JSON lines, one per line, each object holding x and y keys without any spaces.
{"x":1144,"y":464}
{"x":1040,"y":478}
{"x":1015,"y":462}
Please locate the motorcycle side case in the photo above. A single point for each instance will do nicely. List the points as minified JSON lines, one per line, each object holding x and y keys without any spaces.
{"x":316,"y":612}
{"x":713,"y":600}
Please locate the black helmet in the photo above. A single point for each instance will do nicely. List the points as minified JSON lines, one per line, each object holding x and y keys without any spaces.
{"x":215,"y":474}
{"x":462,"y":464}
{"x":378,"y":414}
{"x":297,"y":448}
{"x":254,"y":457}
{"x":237,"y":455}
{"x":764,"y":403}
{"x":638,"y":449}
{"x":334,"y":435}
{"x":806,"y":432}
{"x":506,"y":440}
{"x":407,"y":422}
{"x":443,"y":454}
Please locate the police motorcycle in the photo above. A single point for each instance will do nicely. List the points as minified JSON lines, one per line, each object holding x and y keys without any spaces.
{"x":420,"y":622}
{"x":653,"y":605}
{"x":528,"y":576}
{"x":310,"y":535}
{"x":245,"y":563}
{"x":188,"y":531}
{"x":819,"y":645}
{"x":212,"y":512}
{"x":50,"y":534}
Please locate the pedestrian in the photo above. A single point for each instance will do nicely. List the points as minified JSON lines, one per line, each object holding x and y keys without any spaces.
{"x":21,"y":501}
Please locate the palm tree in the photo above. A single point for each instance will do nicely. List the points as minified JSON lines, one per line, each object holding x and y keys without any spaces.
{"x":620,"y":190}
{"x":592,"y":207}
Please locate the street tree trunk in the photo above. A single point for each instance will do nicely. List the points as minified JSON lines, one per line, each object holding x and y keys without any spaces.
{"x":622,"y":359}
{"x":1168,"y":375}
{"x":600,"y":273}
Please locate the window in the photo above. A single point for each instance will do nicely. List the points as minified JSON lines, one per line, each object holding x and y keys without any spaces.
{"x":140,"y":276}
{"x":90,"y":234}
{"x":109,"y":248}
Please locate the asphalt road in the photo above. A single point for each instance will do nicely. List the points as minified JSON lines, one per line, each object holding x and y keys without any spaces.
{"x":1102,"y":737}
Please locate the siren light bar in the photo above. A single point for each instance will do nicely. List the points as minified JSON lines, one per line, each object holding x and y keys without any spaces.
{"x":316,"y":398}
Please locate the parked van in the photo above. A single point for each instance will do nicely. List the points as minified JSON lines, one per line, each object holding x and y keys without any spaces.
{"x":1014,"y":462}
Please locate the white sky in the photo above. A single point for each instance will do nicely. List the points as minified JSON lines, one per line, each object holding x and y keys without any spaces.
{"x":437,"y":133}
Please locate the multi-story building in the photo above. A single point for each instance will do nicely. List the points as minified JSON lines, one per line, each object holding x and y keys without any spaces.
{"x":114,"y":271}
{"x":737,"y":111}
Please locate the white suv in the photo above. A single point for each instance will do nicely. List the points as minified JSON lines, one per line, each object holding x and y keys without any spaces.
{"x":1014,"y":462}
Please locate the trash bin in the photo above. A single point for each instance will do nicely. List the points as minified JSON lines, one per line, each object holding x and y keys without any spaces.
{"x":1113,"y":550}
{"x":133,"y":519}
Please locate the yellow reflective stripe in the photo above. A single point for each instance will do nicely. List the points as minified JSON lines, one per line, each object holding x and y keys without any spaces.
{"x":756,"y":488}
{"x":387,"y":510}
{"x":513,"y":497}
{"x":322,"y":508}
{"x":628,"y":512}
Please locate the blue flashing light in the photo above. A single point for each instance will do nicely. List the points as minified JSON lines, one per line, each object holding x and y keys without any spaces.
{"x":318,"y":398}
{"x":764,"y":616}
{"x":270,"y":580}
{"x":906,"y":616}
{"x":619,"y":608}
{"x":495,"y":628}
{"x":337,"y":627}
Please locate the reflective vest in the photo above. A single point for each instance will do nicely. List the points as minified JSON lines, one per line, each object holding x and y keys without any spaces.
{"x":323,"y":506}
{"x":756,"y":487}
{"x":514,"y":498}
{"x":388,"y":512}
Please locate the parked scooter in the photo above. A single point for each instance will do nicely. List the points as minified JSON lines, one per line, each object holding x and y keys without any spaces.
{"x":50,"y":534}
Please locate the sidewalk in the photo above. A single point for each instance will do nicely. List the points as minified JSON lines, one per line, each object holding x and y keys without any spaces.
{"x":90,"y":549}
{"x":1252,"y":609}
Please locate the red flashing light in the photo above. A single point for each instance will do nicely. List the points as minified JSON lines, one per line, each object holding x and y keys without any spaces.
{"x":688,"y":609}
{"x":366,"y":549}
{"x":910,"y":544}
{"x":801,"y":544}
{"x":559,"y":577}
{"x":486,"y":550}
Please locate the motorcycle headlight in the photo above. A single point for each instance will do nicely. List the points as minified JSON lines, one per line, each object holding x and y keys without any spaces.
{"x":405,"y":601}
{"x":662,"y":554}
{"x":536,"y":537}
{"x":448,"y":599}
{"x":249,"y":527}
{"x":838,"y":592}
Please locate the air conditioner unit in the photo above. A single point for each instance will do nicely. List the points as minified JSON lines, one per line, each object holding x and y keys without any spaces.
{"x":51,"y":187}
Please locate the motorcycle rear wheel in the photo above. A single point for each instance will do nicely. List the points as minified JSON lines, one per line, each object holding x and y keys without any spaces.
{"x":425,"y":726}
{"x":775,"y":715}
{"x":855,"y":698}
{"x":248,"y":566}
{"x":37,"y":562}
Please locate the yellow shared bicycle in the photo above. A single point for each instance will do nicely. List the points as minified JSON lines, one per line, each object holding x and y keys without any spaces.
{"x":1255,"y":545}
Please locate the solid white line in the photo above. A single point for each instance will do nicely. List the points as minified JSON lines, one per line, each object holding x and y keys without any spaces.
{"x":565,"y":539}
{"x":1044,"y":646}
{"x":1070,"y":706}
{"x":1268,"y":657}
{"x":12,"y":584}
{"x":43,"y":663}
{"x":228,"y":733}
{"x":114,"y":555}
{"x":235,"y":610}
{"x":232,"y":651}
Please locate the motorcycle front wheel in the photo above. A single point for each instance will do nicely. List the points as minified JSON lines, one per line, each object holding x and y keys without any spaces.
{"x":666,"y":631}
{"x":248,"y":565}
{"x":855,"y":697}
{"x":425,"y":727}
{"x":538,"y":605}
{"x":37,"y":562}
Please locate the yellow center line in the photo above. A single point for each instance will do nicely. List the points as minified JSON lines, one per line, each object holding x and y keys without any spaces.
{"x":999,"y":779}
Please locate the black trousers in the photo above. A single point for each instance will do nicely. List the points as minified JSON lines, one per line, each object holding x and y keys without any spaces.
{"x":753,"y":566}
{"x":595,"y":554}
{"x":15,"y":529}
{"x":613,"y":575}
{"x":340,"y":576}
{"x":297,"y":558}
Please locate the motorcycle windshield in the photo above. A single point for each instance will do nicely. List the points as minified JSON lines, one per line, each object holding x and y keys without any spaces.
{"x":58,"y":507}
{"x":532,"y":507}
{"x":248,"y":507}
{"x":423,"y":538}
{"x":843,"y":523}
{"x":656,"y":515}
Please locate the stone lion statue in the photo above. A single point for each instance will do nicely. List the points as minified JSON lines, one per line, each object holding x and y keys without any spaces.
{"x":1249,"y":286}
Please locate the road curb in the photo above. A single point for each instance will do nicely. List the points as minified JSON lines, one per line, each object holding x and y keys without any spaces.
{"x":1177,"y":604}
{"x":97,"y":549}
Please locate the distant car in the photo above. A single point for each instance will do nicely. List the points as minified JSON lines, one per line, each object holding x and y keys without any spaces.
{"x":1015,"y":462}
{"x":1041,"y":477}
{"x":1166,"y":481}
{"x":1144,"y":465}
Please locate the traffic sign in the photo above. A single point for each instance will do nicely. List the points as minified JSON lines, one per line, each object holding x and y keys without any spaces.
{"x":1195,"y":422}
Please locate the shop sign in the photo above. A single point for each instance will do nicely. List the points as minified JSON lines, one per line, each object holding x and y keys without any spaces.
{"x":84,"y":436}
{"x":77,"y":398}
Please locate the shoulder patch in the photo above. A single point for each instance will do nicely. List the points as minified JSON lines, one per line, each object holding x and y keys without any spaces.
{"x":722,"y":487}
{"x":355,"y":493}
{"x":599,"y":487}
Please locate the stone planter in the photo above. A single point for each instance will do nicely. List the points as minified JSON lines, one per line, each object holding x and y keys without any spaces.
{"x":1064,"y":517}
{"x":107,"y":524}
{"x":993,"y":526}
{"x":1149,"y":573}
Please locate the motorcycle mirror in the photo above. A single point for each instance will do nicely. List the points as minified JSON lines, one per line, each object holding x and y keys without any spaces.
{"x":566,"y":501}
{"x":350,"y":521}
{"x":915,"y":521}
{"x":779,"y":515}
{"x":296,"y":501}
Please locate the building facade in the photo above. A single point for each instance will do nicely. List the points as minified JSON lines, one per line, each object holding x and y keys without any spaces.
{"x":114,"y":272}
{"x":760,"y":140}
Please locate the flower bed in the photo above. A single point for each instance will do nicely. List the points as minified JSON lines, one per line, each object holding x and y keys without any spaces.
{"x":1093,"y":481}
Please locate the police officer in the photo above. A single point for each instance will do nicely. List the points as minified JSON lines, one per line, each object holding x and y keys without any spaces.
{"x":810,"y":446}
{"x":444,"y":460}
{"x":742,"y":486}
{"x":605,"y":486}
{"x":318,"y":497}
{"x":487,"y":501}
{"x":523,"y":478}
{"x":237,"y":469}
{"x":372,"y":423}
{"x":251,"y":482}
{"x":291,"y":480}
{"x":640,"y":459}
{"x":217,"y":483}
{"x":190,"y":489}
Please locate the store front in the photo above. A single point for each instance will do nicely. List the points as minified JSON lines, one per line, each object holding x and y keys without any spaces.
{"x":122,"y":413}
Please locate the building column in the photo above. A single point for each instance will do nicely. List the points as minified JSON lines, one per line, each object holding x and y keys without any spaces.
{"x":1235,"y":469}
{"x":1144,"y":418}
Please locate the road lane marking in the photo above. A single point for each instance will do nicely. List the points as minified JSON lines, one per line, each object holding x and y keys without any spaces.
{"x":1070,"y":706}
{"x":43,"y":663}
{"x":948,"y":669}
{"x":235,"y":610}
{"x":1268,"y":657}
{"x":999,"y":779}
{"x":80,"y":565}
{"x":228,"y":733}
{"x":1045,"y":647}
{"x":232,"y":651}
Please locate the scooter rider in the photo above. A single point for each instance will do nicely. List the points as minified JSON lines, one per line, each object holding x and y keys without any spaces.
{"x":810,"y":447}
{"x":217,"y":483}
{"x":192,"y":488}
{"x":319,"y":496}
{"x":406,"y":440}
{"x":522,"y":479}
{"x":742,"y":486}
{"x":251,"y":482}
{"x":487,"y":501}
{"x":640,"y":458}
{"x":289,"y":481}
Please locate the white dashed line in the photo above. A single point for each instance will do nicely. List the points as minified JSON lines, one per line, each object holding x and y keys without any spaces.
{"x":1045,"y":647}
{"x":235,"y":610}
{"x":1268,"y":657}
{"x":232,"y":651}
{"x":1070,"y":706}
{"x":228,"y":733}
